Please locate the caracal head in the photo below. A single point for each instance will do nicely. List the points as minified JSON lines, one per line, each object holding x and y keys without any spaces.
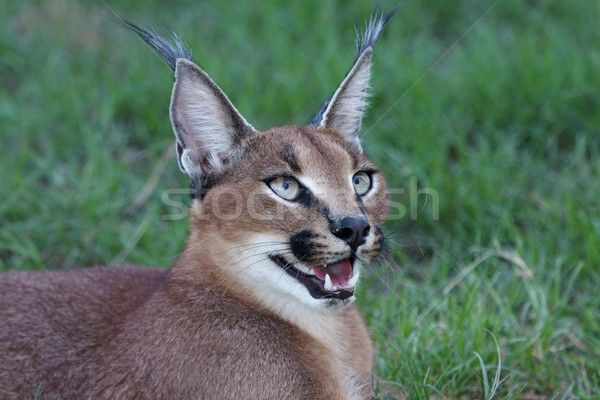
{"x":293,"y":211}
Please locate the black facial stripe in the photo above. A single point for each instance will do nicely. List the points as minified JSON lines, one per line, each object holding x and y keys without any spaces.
{"x":307,"y":199}
{"x":326,"y":214}
{"x":288,"y":155}
{"x":359,"y":200}
{"x":302,"y":244}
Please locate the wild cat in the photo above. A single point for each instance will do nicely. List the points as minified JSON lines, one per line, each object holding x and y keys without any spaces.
{"x":259,"y":305}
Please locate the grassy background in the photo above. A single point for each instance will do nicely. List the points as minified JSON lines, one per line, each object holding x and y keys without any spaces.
{"x":493,"y":106}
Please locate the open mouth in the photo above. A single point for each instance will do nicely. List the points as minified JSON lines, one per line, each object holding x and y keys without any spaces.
{"x":331,"y":281}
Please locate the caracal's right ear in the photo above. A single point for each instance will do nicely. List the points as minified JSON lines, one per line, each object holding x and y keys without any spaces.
{"x":343,"y":112}
{"x":208,"y":128}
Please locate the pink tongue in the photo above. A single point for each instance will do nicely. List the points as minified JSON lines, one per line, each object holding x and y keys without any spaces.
{"x":339,"y":272}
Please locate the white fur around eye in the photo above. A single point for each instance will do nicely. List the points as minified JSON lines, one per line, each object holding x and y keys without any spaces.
{"x":285,"y":187}
{"x":361,"y":182}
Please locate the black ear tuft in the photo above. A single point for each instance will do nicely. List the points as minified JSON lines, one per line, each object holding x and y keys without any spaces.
{"x":376,"y":25}
{"x":170,"y":52}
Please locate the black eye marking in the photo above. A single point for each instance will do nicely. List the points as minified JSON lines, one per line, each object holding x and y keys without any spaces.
{"x":307,"y":199}
{"x":327,"y":214}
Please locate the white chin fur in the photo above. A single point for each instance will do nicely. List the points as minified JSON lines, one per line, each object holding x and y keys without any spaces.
{"x":268,"y":276}
{"x":265,"y":276}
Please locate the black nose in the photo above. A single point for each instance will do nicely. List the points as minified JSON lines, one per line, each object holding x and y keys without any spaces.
{"x":352,"y":231}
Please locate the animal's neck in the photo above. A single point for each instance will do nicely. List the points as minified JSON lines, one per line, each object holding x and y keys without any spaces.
{"x":229,"y":269}
{"x":203,"y":266}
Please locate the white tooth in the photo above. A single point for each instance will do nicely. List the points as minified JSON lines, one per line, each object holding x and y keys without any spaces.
{"x":328,"y":284}
{"x":353,"y":280}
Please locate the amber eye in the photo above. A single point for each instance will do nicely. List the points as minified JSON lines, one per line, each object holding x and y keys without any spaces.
{"x":285,"y":187}
{"x":361,"y":182}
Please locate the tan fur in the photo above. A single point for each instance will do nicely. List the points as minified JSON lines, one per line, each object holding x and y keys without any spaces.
{"x":200,"y":329}
{"x":227,"y":320}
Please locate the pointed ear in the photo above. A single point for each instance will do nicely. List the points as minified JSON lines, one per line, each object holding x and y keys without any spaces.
{"x":208,"y":128}
{"x":344,"y":111}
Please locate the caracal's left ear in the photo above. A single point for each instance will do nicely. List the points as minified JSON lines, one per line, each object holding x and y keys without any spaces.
{"x":343,"y":112}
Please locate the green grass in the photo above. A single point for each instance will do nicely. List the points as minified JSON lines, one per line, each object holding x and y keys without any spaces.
{"x":492,"y":105}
